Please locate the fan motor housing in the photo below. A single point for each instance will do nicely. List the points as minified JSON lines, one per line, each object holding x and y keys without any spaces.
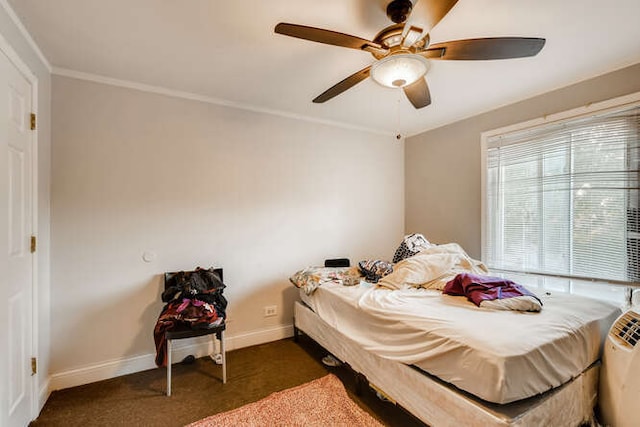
{"x":398,"y":10}
{"x":391,"y":38}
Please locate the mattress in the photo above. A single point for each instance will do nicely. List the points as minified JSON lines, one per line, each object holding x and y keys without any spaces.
{"x":499,"y":356}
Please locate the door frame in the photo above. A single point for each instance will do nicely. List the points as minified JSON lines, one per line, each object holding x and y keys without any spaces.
{"x":26,"y":72}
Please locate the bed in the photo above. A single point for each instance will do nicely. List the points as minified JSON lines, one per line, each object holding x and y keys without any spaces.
{"x":449,"y":362}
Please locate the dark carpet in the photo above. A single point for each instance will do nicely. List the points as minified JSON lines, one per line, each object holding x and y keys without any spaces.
{"x":197,"y":391}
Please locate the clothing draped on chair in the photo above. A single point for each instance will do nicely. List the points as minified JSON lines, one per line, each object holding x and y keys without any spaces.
{"x":194,"y":299}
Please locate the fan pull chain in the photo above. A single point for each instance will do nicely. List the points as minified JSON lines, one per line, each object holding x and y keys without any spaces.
{"x":398,"y":132}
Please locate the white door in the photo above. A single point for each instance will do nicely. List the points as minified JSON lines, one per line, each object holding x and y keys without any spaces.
{"x":15,"y":146}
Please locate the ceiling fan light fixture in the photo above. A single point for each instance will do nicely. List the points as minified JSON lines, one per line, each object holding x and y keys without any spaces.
{"x":399,"y":70}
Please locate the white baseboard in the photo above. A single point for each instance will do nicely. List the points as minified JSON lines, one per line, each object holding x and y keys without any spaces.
{"x":44,"y":393}
{"x":259,"y":337}
{"x":199,"y":347}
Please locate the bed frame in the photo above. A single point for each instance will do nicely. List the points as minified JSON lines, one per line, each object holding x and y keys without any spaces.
{"x":437,"y":403}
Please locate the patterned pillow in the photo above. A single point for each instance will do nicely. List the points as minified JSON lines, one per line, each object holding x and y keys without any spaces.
{"x":411,"y":245}
{"x":375,"y":269}
{"x":311,"y":277}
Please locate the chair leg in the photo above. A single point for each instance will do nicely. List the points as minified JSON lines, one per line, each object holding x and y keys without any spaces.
{"x":168,"y":367}
{"x":224,"y":358}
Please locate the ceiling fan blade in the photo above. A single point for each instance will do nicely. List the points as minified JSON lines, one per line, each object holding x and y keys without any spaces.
{"x":418,"y":93}
{"x":328,"y":37}
{"x":430,"y":12}
{"x":487,"y":48}
{"x":345,"y":84}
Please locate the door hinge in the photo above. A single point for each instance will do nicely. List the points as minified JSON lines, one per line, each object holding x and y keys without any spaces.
{"x":34,"y":366}
{"x":33,"y":244}
{"x":33,"y":121}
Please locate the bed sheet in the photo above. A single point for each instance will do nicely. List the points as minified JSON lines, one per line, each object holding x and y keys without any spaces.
{"x":499,"y":356}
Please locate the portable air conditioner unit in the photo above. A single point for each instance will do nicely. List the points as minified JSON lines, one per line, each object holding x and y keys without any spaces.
{"x":620,"y":375}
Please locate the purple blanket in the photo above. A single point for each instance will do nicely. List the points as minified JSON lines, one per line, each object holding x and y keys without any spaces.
{"x":482,"y":288}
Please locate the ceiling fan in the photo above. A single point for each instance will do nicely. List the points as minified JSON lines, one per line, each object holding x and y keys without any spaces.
{"x":402,"y":54}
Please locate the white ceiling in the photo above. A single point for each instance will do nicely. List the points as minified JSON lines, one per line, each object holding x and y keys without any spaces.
{"x":227,"y":51}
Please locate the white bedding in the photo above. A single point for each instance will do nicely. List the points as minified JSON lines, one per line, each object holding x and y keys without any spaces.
{"x":500,"y":356}
{"x":432,"y":268}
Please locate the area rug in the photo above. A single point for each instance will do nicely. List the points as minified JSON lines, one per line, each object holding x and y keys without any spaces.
{"x":321,"y":402}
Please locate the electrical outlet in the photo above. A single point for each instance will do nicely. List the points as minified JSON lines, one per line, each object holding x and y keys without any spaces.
{"x":270,"y":310}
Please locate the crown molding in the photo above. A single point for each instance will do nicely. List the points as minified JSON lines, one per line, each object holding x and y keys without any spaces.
{"x":23,"y":30}
{"x":96,"y":78}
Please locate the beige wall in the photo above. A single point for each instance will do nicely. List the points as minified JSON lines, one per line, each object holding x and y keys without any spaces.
{"x":200,"y":185}
{"x":19,"y":44}
{"x":442,"y":166}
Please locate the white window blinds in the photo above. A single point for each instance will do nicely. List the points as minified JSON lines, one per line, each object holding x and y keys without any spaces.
{"x":562,"y":198}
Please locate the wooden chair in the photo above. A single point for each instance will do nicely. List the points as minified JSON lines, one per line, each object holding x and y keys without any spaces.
{"x":187,"y":332}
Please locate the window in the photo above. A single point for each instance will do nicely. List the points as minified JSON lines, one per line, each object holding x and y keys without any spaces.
{"x":561,"y":197}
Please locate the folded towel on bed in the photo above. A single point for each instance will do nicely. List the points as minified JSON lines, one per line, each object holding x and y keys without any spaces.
{"x":493,"y":292}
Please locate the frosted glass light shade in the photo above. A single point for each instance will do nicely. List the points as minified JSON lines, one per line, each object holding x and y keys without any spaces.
{"x":399,"y":70}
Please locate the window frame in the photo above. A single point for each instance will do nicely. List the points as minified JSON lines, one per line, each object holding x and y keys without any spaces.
{"x":591,"y":109}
